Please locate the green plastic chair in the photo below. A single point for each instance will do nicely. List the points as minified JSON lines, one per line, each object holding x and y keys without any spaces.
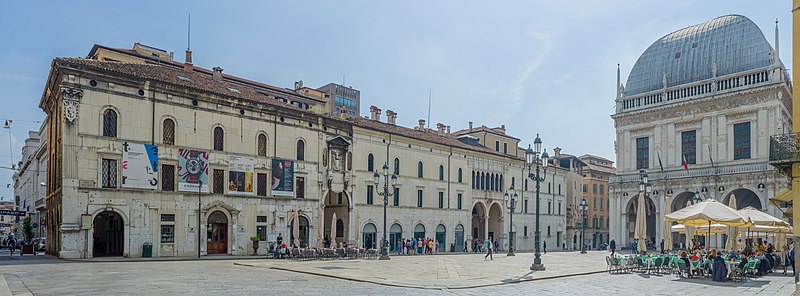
{"x":681,"y":267}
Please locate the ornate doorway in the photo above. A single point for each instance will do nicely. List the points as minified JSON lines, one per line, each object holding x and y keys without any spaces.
{"x":217,"y":236}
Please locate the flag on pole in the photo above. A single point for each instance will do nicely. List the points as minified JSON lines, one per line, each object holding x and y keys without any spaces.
{"x":709,"y":156}
{"x":685,"y":163}
{"x":659,"y":161}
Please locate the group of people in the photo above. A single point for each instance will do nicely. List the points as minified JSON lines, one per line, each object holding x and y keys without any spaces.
{"x":479,"y":246}
{"x":419,"y":246}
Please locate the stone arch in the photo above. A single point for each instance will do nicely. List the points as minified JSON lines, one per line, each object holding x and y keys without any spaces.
{"x":651,"y":208}
{"x":125,"y":252}
{"x":495,"y":225}
{"x":744,"y":198}
{"x":479,"y":213}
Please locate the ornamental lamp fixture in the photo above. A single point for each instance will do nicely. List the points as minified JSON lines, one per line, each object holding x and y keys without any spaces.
{"x":529,"y":154}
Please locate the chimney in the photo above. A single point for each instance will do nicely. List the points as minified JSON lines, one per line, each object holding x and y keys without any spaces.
{"x":391,"y":117}
{"x":375,"y":113}
{"x":470,"y":126}
{"x":448,"y":129}
{"x":440,"y":128}
{"x":217,"y":73}
{"x":503,"y":127}
{"x":187,"y":65}
{"x":421,"y":125}
{"x":557,"y":150}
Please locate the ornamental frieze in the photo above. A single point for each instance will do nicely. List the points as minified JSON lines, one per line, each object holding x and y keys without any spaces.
{"x":71,"y":97}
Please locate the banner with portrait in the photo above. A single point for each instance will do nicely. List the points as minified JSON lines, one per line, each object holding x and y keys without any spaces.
{"x":282,"y":177}
{"x":139,"y":166}
{"x":240,"y":175}
{"x":192,"y":170}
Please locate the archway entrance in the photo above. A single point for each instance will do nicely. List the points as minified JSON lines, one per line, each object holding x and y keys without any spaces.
{"x":495,"y":225}
{"x":744,"y":198}
{"x":109,"y":235}
{"x":369,"y":238}
{"x":217,"y":233}
{"x":650,"y":208}
{"x":419,"y":231}
{"x":395,"y":235}
{"x":478,"y":222}
{"x":303,"y":229}
{"x":337,"y":204}
{"x":440,"y":237}
{"x":459,"y":237}
{"x":680,"y":201}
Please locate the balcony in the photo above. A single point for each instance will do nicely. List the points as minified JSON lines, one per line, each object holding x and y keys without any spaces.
{"x":784,"y":150}
{"x":702,"y":170}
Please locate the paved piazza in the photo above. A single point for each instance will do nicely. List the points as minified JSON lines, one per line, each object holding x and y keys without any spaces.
{"x":47,"y":276}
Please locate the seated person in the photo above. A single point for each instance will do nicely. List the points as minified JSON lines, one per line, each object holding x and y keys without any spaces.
{"x":742,"y":264}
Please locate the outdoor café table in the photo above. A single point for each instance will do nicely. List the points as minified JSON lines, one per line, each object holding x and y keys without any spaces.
{"x":328,"y":252}
{"x":731,"y":265}
{"x":310,"y":253}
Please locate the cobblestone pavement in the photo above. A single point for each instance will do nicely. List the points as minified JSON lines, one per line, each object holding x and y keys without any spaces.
{"x":47,"y":276}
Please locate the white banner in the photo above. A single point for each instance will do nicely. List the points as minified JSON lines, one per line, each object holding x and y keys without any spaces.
{"x":240,"y":175}
{"x":139,"y":166}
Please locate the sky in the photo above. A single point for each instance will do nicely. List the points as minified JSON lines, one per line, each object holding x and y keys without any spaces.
{"x":537,"y":67}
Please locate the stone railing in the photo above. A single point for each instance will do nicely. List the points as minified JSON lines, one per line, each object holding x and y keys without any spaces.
{"x":705,"y":171}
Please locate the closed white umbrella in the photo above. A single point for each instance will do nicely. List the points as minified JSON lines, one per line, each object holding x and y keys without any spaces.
{"x":640,"y":229}
{"x":733,"y":231}
{"x":333,"y":231}
{"x":296,"y":229}
{"x":667,"y":233}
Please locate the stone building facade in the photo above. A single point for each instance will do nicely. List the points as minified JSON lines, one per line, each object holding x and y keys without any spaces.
{"x":595,"y":189}
{"x":197,"y":162}
{"x":696,"y":114}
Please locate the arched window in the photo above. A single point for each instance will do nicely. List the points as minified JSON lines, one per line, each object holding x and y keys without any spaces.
{"x":419,"y":170}
{"x":473,"y":180}
{"x":441,"y":173}
{"x":460,"y":175}
{"x":512,"y":181}
{"x":110,"y":123}
{"x":168,"y":132}
{"x":301,"y":150}
{"x":262,"y":145}
{"x":370,"y":163}
{"x":397,"y":166}
{"x":501,"y":184}
{"x":491,"y":182}
{"x":219,"y":139}
{"x":482,"y":181}
{"x":339,"y":228}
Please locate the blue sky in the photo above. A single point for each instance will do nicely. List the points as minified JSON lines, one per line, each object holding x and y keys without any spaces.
{"x":546,"y":68}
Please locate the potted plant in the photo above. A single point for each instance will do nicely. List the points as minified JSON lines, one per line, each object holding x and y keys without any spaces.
{"x":27,"y":232}
{"x":255,"y":245}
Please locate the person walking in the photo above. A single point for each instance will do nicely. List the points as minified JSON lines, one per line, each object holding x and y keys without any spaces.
{"x":791,"y":257}
{"x":465,"y":247}
{"x":544,"y":246}
{"x":12,"y":244}
{"x":488,"y":250}
{"x":613,"y":246}
{"x":662,"y":246}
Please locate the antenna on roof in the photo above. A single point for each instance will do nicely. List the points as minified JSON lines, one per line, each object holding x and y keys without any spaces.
{"x":187,"y":63}
{"x":429,"y":108}
{"x":343,"y":80}
{"x":189,"y":34}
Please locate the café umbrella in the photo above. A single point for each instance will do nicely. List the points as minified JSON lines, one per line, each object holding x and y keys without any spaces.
{"x":706,"y":213}
{"x":640,"y":233}
{"x":668,"y":235}
{"x":733,"y":232}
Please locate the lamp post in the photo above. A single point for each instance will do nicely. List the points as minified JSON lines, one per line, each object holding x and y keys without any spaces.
{"x":584,"y":209}
{"x":532,"y":157}
{"x":386,"y":194}
{"x":511,"y":195}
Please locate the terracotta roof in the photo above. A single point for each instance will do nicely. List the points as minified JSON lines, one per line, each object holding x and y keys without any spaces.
{"x":426,"y":135}
{"x":167,"y":74}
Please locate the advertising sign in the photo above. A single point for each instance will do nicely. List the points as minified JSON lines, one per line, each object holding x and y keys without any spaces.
{"x":282,"y":177}
{"x":139,"y":166}
{"x":192,"y":169}
{"x":240,"y":175}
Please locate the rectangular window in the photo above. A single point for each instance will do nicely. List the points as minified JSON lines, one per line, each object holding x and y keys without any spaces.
{"x":370,"y":193}
{"x":741,"y":141}
{"x":419,"y":198}
{"x":261,"y":231}
{"x":642,"y":153}
{"x":584,"y":188}
{"x":601,"y":204}
{"x":602,"y":190}
{"x":525,"y":231}
{"x":396,"y":197}
{"x":594,"y":201}
{"x":497,"y":146}
{"x":441,"y":200}
{"x":549,"y":208}
{"x":167,"y":177}
{"x":261,"y":219}
{"x":167,"y":233}
{"x":109,"y":173}
{"x":459,"y":201}
{"x":548,"y":230}
{"x":301,"y":187}
{"x":167,"y":217}
{"x":505,"y":148}
{"x":219,"y":181}
{"x":689,"y":146}
{"x":559,"y":208}
{"x":262,"y":184}
{"x":559,"y":189}
{"x":339,"y":198}
{"x":525,"y":207}
{"x":594,"y":188}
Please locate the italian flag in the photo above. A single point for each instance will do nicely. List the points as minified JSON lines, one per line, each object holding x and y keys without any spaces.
{"x":685,"y":163}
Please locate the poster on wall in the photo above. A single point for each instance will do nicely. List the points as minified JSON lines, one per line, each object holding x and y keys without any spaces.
{"x":192,"y":170}
{"x":240,"y":175}
{"x":139,"y":166}
{"x":282,"y":177}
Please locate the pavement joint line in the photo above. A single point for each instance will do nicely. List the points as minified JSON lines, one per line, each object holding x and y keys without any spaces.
{"x":423,"y":287}
{"x":4,"y":289}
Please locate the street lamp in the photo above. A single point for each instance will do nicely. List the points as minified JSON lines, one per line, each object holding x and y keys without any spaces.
{"x":386,"y":194}
{"x":584,"y":209}
{"x":511,"y":195}
{"x":532,"y":157}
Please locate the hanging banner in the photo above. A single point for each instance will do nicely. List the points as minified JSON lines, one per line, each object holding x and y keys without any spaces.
{"x":192,"y":169}
{"x":282,"y":177}
{"x":139,"y":166}
{"x":240,"y":175}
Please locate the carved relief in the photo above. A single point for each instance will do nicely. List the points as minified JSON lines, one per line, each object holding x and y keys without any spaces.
{"x":71,"y":98}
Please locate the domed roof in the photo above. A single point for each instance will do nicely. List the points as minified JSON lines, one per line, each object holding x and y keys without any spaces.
{"x":733,"y":42}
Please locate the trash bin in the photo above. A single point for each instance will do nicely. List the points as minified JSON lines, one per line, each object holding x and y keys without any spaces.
{"x":147,"y":250}
{"x":452,"y":247}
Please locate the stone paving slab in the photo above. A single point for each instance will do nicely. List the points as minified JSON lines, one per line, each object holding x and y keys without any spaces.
{"x":445,"y":272}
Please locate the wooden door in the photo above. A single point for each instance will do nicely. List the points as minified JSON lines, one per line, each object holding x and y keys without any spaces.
{"x":217,"y":236}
